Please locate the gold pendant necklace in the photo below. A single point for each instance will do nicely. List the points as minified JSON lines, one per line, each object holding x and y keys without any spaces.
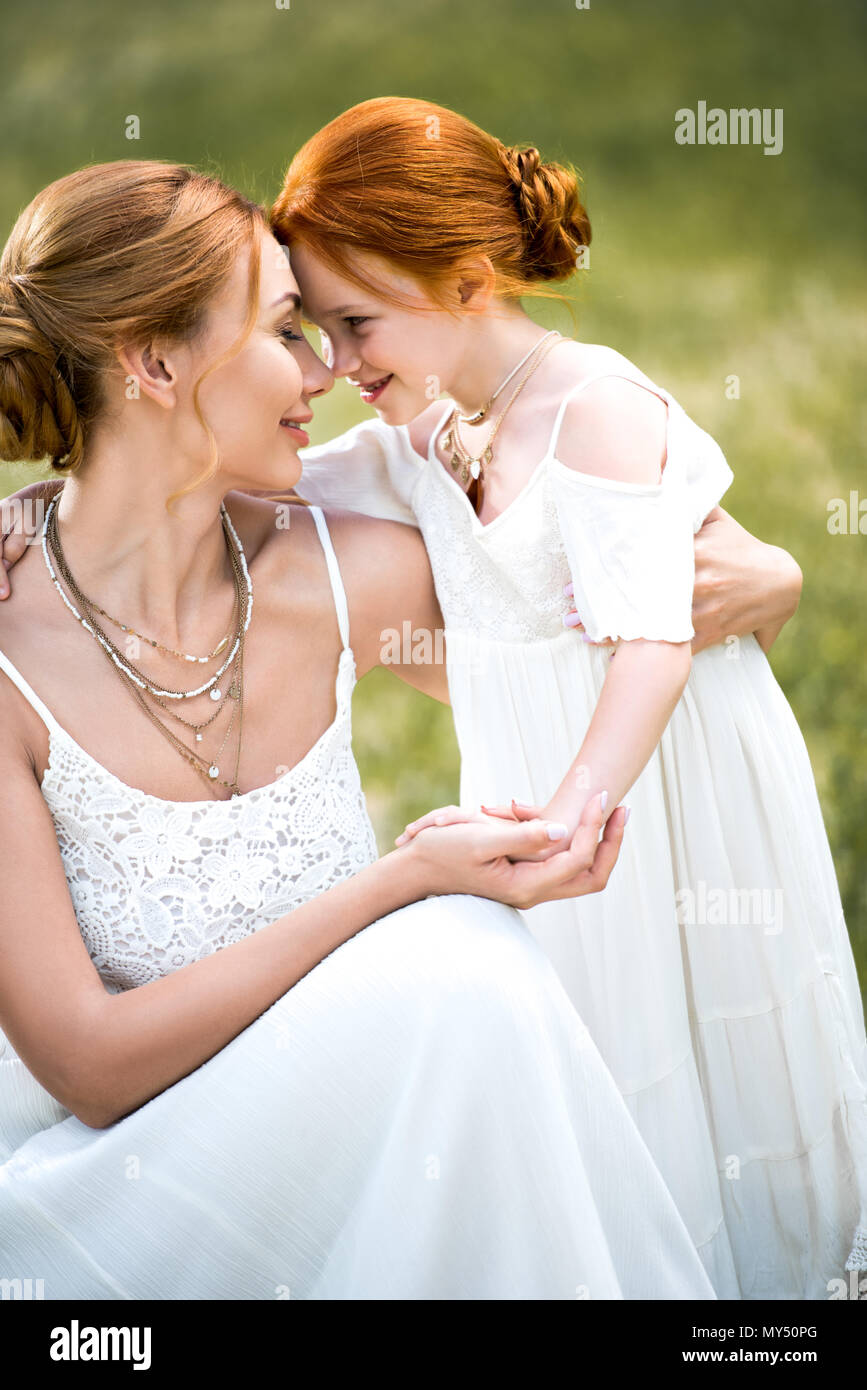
{"x":474,"y":466}
{"x":479,"y":415}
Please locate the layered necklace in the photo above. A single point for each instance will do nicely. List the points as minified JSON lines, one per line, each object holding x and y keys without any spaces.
{"x":224,"y":686}
{"x":473,"y":466}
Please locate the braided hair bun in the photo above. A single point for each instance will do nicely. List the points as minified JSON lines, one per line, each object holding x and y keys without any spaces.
{"x":38,"y":415}
{"x":554,"y":221}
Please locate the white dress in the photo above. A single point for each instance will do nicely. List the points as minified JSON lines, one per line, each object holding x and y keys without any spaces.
{"x":422,"y":1116}
{"x":715,"y":972}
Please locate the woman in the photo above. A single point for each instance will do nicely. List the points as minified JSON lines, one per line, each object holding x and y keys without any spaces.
{"x":719,"y":951}
{"x":250,"y":1059}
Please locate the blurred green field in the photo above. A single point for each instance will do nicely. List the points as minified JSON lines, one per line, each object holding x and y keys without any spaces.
{"x":707,"y":261}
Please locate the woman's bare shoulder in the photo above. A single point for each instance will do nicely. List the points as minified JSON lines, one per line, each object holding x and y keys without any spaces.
{"x":372,"y":554}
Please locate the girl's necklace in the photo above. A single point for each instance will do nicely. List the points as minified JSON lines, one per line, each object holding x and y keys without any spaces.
{"x":474,"y":467}
{"x":479,"y":415}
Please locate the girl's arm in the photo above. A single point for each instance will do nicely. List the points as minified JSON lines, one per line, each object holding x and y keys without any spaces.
{"x":642,"y":686}
{"x":103,"y":1055}
{"x":628,"y":537}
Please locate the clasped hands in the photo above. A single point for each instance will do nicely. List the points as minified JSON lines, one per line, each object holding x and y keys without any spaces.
{"x":529,"y":861}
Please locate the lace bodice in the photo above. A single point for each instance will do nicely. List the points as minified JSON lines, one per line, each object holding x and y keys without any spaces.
{"x":158,"y":884}
{"x":504,"y":580}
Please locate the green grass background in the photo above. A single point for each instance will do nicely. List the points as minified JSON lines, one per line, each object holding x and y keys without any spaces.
{"x":706,"y":261}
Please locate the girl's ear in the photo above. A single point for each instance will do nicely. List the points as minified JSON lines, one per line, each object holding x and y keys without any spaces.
{"x":476,"y":284}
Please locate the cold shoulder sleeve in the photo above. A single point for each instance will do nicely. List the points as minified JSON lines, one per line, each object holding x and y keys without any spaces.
{"x":630,"y":546}
{"x":372,"y":468}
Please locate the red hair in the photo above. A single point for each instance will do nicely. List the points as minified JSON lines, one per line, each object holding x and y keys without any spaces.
{"x":427,"y":190}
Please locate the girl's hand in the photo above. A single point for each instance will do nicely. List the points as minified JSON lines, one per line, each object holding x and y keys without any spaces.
{"x":441,"y":815}
{"x":456,"y":815}
{"x":571,"y":619}
{"x":491,"y":857}
{"x":19,"y":523}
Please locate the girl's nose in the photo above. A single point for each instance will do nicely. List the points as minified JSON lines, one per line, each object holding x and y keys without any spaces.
{"x":343,"y":360}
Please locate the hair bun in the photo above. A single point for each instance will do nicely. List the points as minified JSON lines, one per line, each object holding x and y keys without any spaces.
{"x":38,"y":416}
{"x":554,"y":222}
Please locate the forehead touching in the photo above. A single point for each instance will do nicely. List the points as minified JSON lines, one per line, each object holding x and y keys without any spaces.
{"x":278,"y":288}
{"x":327,"y":295}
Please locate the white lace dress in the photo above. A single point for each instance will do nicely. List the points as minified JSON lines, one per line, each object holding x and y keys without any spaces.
{"x":422,"y":1116}
{"x":715,"y":972}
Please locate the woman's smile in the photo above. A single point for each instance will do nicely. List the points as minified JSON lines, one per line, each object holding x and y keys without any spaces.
{"x":292,"y":426}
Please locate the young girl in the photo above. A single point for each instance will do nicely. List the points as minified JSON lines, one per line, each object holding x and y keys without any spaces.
{"x":715,"y":972}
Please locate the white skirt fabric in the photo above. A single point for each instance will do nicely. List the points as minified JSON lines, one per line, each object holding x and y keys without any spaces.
{"x":714,"y":973}
{"x":423,"y":1116}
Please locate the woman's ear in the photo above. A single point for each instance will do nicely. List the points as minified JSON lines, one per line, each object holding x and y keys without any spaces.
{"x":476,"y":284}
{"x":151,"y":371}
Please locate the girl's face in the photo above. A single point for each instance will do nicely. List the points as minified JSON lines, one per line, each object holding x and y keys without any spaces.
{"x":400,"y":358}
{"x":252,"y":400}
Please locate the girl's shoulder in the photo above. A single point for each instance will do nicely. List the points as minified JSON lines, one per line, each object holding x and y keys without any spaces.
{"x":613,"y":421}
{"x":585,"y":365}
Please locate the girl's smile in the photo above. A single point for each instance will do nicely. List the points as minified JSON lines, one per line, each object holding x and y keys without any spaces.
{"x":372,"y":390}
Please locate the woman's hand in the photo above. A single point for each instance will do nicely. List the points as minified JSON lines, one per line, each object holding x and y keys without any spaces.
{"x":491,"y":857}
{"x":742,"y":585}
{"x":19,"y":523}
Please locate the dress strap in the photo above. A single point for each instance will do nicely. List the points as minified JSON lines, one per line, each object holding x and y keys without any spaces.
{"x":588,"y":381}
{"x":29,"y":694}
{"x":337,"y":588}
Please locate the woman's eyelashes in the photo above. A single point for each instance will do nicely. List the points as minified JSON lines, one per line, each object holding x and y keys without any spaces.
{"x":289,"y":335}
{"x":354,"y":320}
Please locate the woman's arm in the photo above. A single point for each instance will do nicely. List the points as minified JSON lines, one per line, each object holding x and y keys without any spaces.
{"x":742,"y":585}
{"x":103,"y":1055}
{"x":394,"y":615}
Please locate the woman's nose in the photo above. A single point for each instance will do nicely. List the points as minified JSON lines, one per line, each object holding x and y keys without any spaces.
{"x":318,"y":378}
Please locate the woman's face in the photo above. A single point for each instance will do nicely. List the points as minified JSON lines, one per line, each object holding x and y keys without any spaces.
{"x":252,"y":400}
{"x":400,"y":358}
